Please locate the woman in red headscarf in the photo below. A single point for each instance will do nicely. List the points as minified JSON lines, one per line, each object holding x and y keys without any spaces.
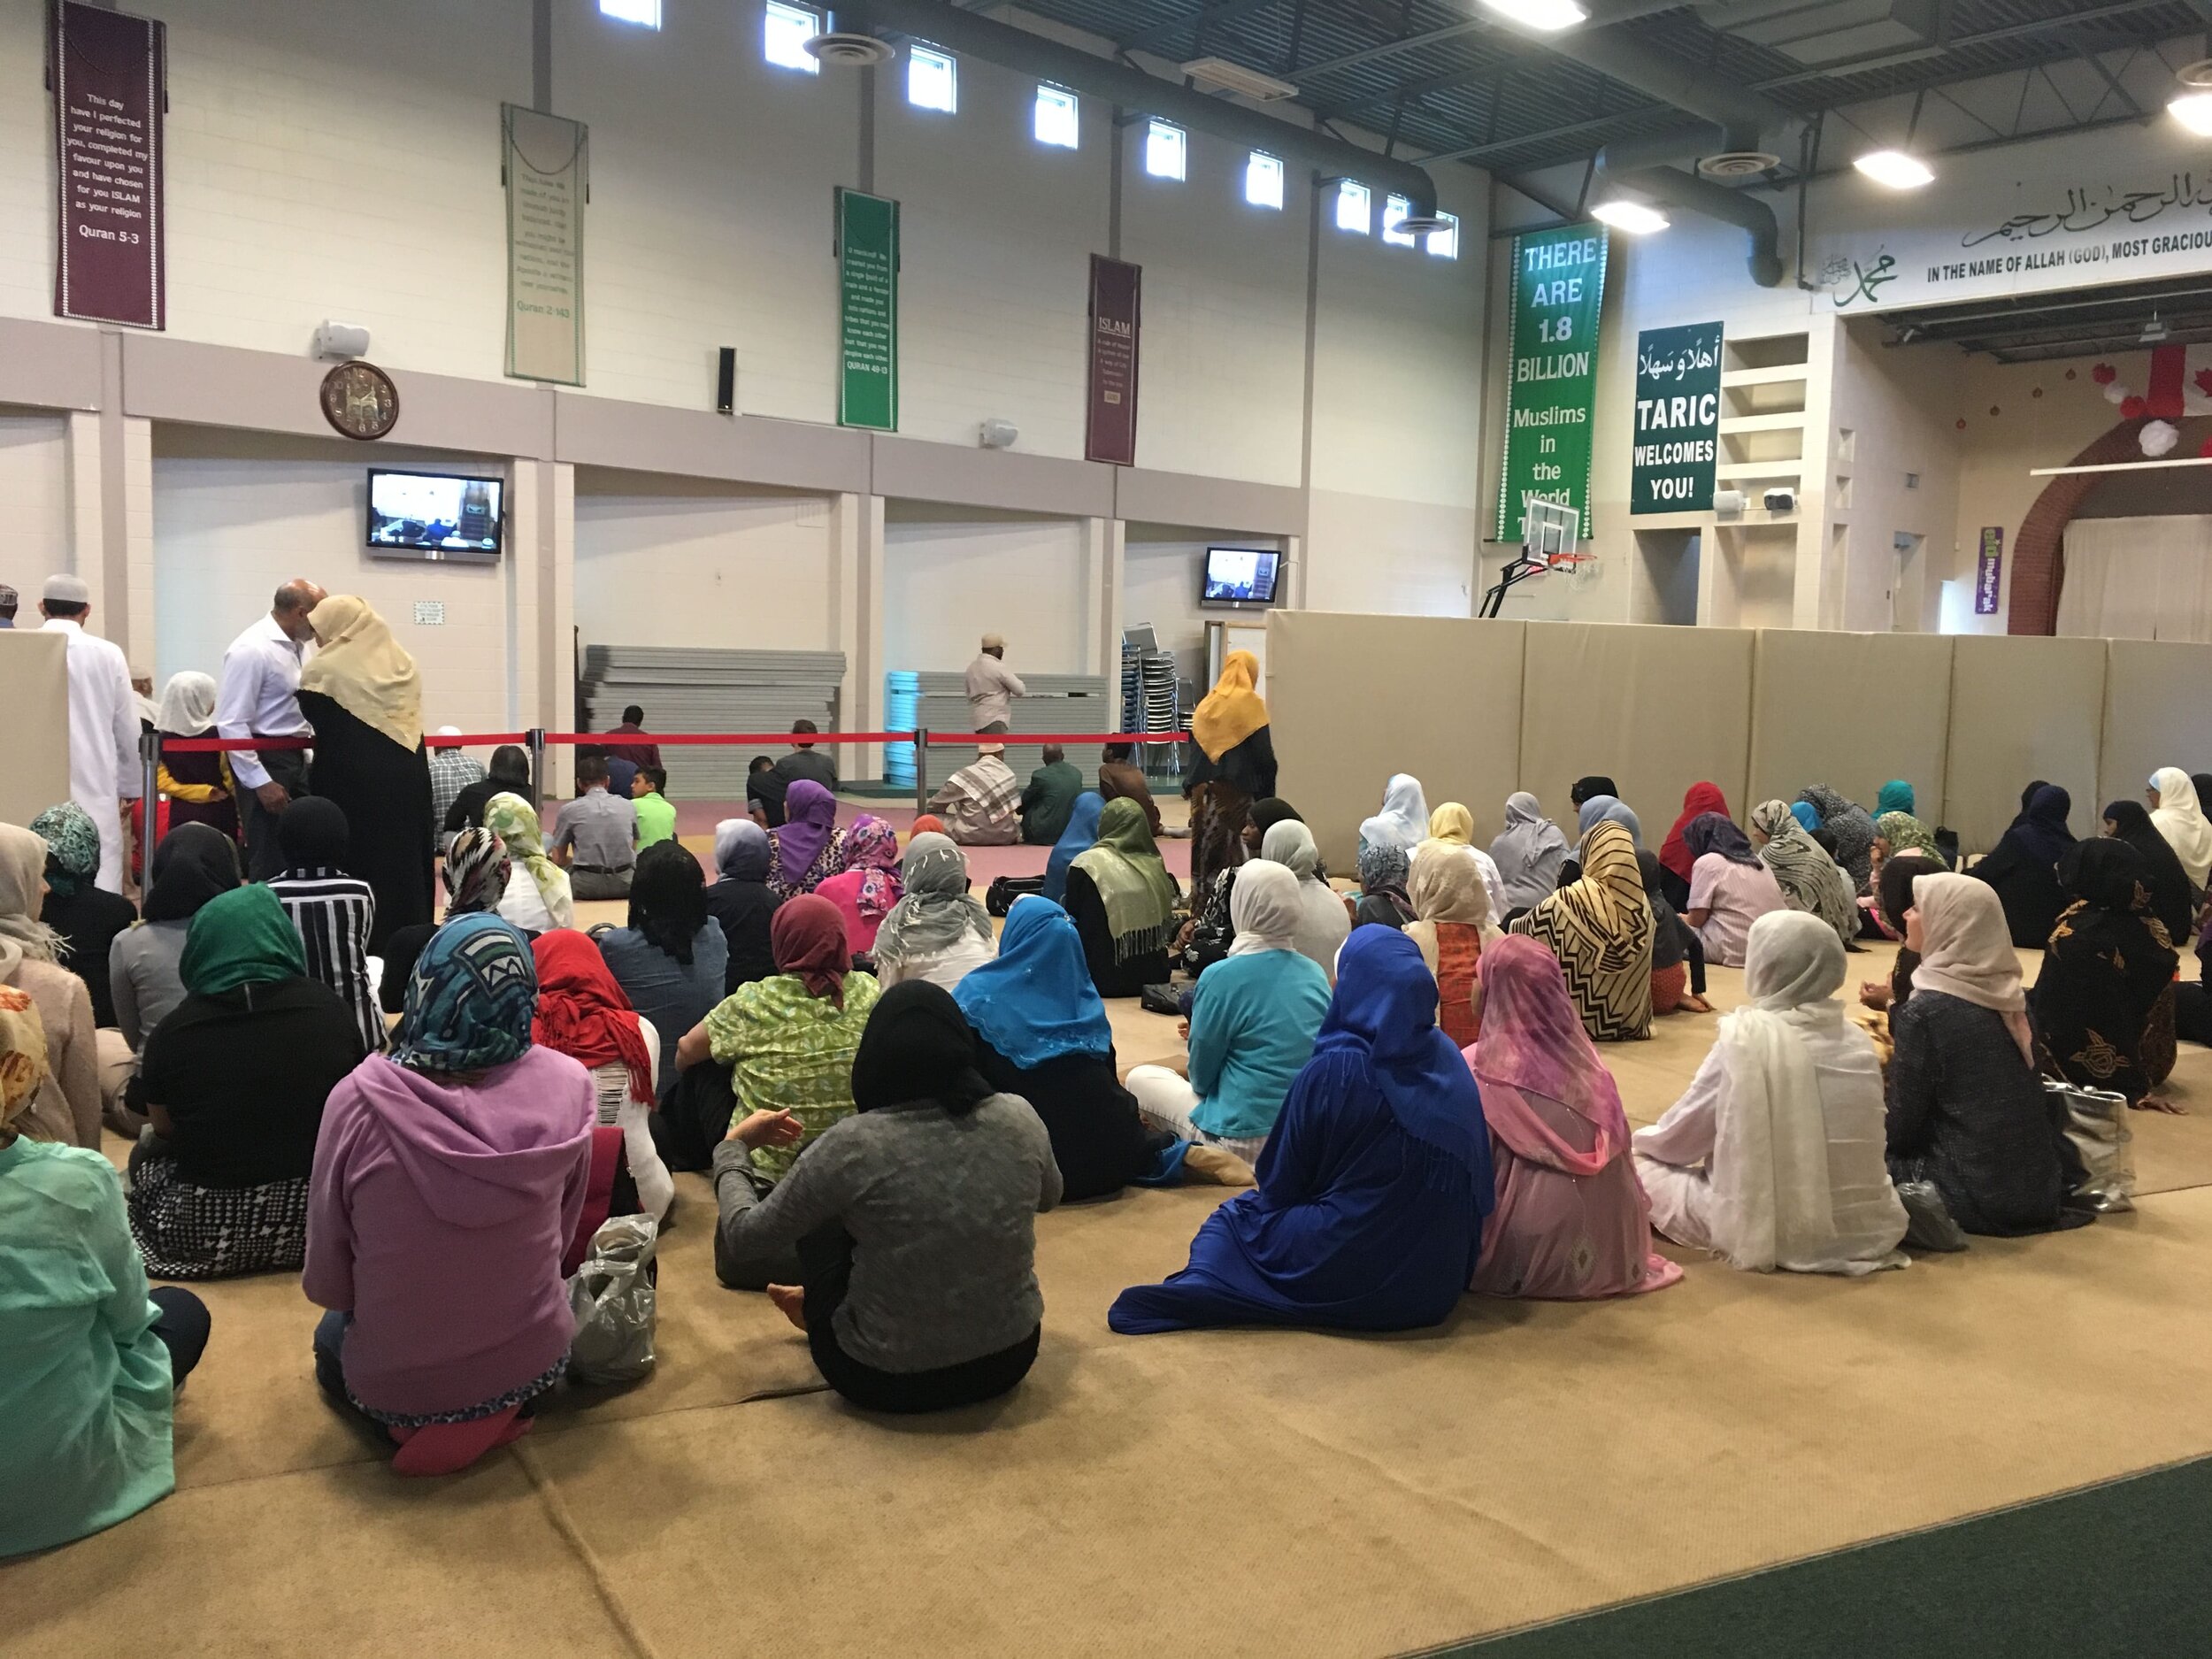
{"x":1675,"y":856}
{"x":583,"y":1014}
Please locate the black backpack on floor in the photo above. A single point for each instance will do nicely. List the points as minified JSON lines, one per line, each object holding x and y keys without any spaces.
{"x":999,"y":898}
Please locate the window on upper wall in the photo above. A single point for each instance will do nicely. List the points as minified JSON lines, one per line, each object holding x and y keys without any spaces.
{"x":645,"y":13}
{"x":1395,"y":209}
{"x":1163,"y":145}
{"x":1444,"y":243}
{"x":1354,"y":209}
{"x":785,"y":34}
{"x":1058,"y":120}
{"x":932,"y":79}
{"x":1263,"y":180}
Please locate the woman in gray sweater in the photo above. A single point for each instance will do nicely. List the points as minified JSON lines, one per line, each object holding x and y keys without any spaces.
{"x":915,"y":1219}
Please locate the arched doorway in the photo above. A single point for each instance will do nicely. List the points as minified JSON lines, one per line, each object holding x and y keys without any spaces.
{"x":2038,"y":552}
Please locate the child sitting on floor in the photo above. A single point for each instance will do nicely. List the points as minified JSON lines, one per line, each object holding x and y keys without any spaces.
{"x":656,"y":814}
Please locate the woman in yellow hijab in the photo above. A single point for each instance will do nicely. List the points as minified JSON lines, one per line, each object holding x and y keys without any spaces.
{"x":1233,"y":765}
{"x":363,"y":694}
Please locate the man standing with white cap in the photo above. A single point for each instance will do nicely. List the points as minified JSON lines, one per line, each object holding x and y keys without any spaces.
{"x":105,"y":775}
{"x":259,"y":695}
{"x":989,"y":686}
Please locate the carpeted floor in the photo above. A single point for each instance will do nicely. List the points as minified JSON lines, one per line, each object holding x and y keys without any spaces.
{"x":1228,"y":1493}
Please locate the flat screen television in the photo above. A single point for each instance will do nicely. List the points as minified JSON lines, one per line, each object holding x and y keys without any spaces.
{"x":435,"y":515}
{"x":1240,"y":576}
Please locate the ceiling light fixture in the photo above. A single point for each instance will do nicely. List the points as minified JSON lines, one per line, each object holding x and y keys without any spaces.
{"x":1547,"y":15}
{"x":2153,"y":331}
{"x":2193,"y":111}
{"x":1632,"y":217}
{"x":1894,"y":169}
{"x":1223,"y":76}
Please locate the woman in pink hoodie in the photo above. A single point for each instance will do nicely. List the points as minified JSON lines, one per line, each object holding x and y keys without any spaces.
{"x":448,"y":1176}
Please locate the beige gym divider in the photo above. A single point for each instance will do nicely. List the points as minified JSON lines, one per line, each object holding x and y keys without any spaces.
{"x":1850,"y":711}
{"x":1655,"y":709}
{"x":2022,"y":708}
{"x":34,"y":691}
{"x":1353,"y":699}
{"x":2157,"y":712}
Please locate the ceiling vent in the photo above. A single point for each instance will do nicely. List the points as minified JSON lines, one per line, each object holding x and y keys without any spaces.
{"x":845,"y":50}
{"x":1738,"y":163}
{"x":1223,"y":76}
{"x":1816,"y":32}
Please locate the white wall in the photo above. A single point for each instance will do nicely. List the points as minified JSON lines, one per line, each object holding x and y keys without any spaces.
{"x":669,"y":561}
{"x":948,"y":580}
{"x":237,"y":515}
{"x":34,"y":505}
{"x":1161,"y":567}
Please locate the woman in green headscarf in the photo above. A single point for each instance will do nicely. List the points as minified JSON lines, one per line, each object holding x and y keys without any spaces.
{"x":1123,"y":901}
{"x":86,"y":917}
{"x":234,"y":1081}
{"x":1896,"y":797}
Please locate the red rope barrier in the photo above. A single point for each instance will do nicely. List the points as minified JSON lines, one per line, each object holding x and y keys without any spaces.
{"x":969,"y":740}
{"x":633,"y":739}
{"x":638,"y":739}
{"x":218,"y":745}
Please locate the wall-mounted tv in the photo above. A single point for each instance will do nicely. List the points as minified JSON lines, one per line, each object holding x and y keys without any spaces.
{"x":435,"y":515}
{"x":1240,"y":576}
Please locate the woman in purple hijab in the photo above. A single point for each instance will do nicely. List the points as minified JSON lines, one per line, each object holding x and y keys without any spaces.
{"x":809,"y":847}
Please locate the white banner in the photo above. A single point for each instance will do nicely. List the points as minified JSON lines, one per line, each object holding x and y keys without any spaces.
{"x":2125,"y":205}
{"x":546,"y":162}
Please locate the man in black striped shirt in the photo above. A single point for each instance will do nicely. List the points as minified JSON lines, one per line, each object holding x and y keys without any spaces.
{"x":332,"y":910}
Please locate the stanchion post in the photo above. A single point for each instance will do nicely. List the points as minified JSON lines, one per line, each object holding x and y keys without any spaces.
{"x":149,"y":800}
{"x":536,"y":735}
{"x":921,"y":769}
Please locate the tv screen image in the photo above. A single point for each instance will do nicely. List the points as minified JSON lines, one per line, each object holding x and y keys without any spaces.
{"x":1240,"y":575}
{"x":435,"y":515}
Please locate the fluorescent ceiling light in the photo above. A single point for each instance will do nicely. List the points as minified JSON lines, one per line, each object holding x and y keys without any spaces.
{"x":1538,"y":14}
{"x":2193,"y":111}
{"x":1895,"y":169}
{"x":1220,"y":73}
{"x":1632,"y":217}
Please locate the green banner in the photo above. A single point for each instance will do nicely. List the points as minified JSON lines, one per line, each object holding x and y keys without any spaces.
{"x":1552,"y":389}
{"x":868,"y":310}
{"x":1677,"y":419}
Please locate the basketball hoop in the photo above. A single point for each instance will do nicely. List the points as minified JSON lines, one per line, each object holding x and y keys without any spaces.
{"x":1551,"y":533}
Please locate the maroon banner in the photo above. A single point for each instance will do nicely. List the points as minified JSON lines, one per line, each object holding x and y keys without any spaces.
{"x":109,"y":74}
{"x":1115,"y":310}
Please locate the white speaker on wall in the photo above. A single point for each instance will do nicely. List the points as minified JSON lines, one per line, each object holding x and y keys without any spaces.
{"x":1727,"y":503}
{"x":995,"y":434}
{"x":342,"y":340}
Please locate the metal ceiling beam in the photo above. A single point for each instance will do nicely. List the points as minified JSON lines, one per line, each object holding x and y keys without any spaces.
{"x":1220,"y":12}
{"x":1393,"y":49}
{"x":1844,"y":68}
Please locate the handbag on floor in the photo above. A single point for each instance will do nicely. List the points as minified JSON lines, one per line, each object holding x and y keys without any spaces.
{"x":999,"y":898}
{"x":613,"y":1298}
{"x":2097,"y":1125}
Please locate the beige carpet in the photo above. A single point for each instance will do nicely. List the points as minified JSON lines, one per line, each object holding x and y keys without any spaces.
{"x":1244,"y":1493}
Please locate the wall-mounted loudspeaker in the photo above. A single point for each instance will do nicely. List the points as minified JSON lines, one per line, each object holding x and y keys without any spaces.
{"x":995,"y":434}
{"x":1781,"y":500}
{"x":342,"y":340}
{"x":726,"y":382}
{"x":1727,"y":503}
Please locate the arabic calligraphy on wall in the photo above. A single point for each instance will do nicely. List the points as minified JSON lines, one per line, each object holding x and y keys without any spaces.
{"x":2063,"y":214}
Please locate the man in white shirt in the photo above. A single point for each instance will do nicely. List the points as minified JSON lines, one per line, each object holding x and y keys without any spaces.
{"x":989,"y":686}
{"x":259,"y":695}
{"x":104,"y":773}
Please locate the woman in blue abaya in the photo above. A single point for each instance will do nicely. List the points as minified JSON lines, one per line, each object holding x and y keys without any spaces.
{"x":1374,"y":1184}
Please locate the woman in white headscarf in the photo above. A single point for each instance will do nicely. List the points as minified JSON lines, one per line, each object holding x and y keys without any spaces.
{"x":1253,"y":1020}
{"x":194,"y":789}
{"x":1773,"y":1157}
{"x":1404,"y":819}
{"x":1967,"y":1108}
{"x":1322,"y":921}
{"x":1528,"y":852}
{"x":2179,"y":817}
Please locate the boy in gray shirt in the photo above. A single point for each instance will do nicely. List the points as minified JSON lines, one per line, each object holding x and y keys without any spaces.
{"x":596,"y":836}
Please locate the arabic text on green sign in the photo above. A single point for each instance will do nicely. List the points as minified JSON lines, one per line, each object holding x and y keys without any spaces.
{"x":1671,"y":466}
{"x":1551,"y":391}
{"x":868,"y":296}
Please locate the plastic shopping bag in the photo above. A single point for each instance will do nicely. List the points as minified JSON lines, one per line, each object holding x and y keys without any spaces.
{"x":2097,"y":1124}
{"x":611,"y":1295}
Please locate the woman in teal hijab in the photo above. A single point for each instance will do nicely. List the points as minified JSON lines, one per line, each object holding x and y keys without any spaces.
{"x":1079,"y":836}
{"x":1896,"y":797}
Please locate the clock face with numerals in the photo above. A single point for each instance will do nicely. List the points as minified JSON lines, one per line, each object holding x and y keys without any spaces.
{"x":360,"y":400}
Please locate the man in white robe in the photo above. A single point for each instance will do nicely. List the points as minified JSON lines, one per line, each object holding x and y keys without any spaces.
{"x":104,"y":773}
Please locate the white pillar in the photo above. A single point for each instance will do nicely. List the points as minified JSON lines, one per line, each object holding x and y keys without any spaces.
{"x":855,"y":627}
{"x":138,"y":545}
{"x":1105,"y":545}
{"x":540,"y":576}
{"x":86,"y":532}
